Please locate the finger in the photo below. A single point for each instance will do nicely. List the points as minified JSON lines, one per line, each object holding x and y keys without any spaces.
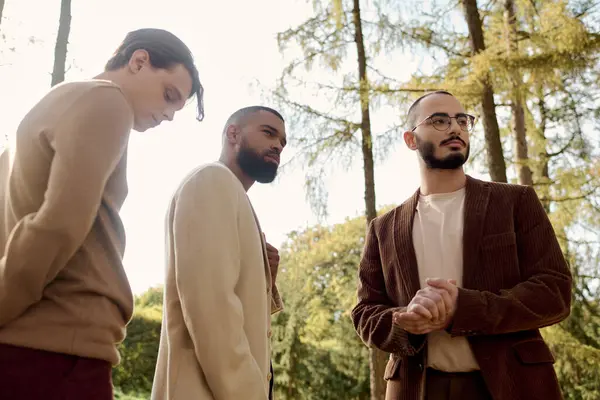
{"x":421,"y":310}
{"x":440,"y":296}
{"x":430,"y":305}
{"x":436,"y":296}
{"x":450,"y":286}
{"x":447,"y":299}
{"x":441,"y":284}
{"x":413,"y":323}
{"x":411,"y":320}
{"x":407,"y":316}
{"x":421,"y":325}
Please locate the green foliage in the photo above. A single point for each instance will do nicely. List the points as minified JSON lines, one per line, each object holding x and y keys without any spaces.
{"x":576,"y":365}
{"x":139,"y":350}
{"x":152,"y":297}
{"x":119,"y":395}
{"x":316,"y":350}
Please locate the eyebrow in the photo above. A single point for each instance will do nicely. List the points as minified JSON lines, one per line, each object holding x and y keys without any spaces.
{"x":447,"y":115}
{"x":276,"y":131}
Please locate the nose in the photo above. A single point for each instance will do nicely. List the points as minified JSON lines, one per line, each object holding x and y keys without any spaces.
{"x":454,"y":127}
{"x":277,"y":146}
{"x":169,"y":114}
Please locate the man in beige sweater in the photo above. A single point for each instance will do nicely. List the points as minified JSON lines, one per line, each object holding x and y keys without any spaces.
{"x":64,"y":295}
{"x":220,"y":290}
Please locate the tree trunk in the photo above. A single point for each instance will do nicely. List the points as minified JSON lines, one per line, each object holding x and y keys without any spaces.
{"x":1,"y":9}
{"x":544,"y":171}
{"x":377,"y":358}
{"x":62,"y":39}
{"x":518,"y":113}
{"x":495,"y":154}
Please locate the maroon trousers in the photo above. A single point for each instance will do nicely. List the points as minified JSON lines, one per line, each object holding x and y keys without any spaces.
{"x":27,"y":374}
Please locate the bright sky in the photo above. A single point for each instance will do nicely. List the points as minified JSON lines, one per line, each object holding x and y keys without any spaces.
{"x":234,"y":45}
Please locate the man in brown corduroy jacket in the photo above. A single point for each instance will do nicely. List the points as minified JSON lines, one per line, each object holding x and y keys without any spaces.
{"x":456,"y":282}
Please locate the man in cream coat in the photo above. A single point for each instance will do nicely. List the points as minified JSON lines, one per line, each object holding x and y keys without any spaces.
{"x":220,"y":291}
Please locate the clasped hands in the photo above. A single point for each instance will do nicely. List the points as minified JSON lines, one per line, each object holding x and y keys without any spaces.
{"x":431,"y":309}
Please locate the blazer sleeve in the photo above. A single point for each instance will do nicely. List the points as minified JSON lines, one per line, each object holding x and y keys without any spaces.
{"x":542,"y":298}
{"x":372,"y":315}
{"x":207,"y":269}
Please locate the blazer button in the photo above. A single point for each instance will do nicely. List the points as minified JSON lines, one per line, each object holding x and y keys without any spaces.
{"x":269,"y":376}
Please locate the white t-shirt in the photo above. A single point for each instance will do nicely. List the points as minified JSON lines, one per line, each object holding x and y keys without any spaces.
{"x":438,"y":242}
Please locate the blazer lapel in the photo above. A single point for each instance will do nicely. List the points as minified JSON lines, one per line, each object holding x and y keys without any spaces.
{"x":405,"y":250}
{"x":477,"y":195}
{"x":264,"y":250}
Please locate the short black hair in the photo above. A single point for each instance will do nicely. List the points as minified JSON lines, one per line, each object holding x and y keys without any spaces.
{"x":411,"y":116}
{"x":244,"y":112}
{"x":165,"y":50}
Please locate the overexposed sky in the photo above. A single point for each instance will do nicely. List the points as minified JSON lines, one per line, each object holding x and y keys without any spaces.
{"x":234,"y":45}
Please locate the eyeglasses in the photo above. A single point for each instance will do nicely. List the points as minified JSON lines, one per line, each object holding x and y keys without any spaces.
{"x":443,"y":122}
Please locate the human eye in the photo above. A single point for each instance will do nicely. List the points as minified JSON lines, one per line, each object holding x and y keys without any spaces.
{"x":170,"y":96}
{"x":439,"y":120}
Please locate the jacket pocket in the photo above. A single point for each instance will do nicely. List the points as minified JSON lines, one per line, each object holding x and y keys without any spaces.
{"x":534,"y":351}
{"x":499,"y":240}
{"x":392,"y":368}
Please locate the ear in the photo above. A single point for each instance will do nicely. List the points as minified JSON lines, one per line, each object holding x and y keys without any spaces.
{"x":232,"y":134}
{"x":410,"y":140}
{"x":139,"y":59}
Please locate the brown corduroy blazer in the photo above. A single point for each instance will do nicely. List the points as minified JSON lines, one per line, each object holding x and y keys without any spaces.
{"x":515,"y":281}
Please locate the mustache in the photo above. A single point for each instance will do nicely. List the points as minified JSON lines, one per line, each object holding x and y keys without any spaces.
{"x":273,"y":153}
{"x":450,"y":139}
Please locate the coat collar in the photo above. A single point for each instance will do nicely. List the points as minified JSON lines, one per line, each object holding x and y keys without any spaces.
{"x":476,"y":201}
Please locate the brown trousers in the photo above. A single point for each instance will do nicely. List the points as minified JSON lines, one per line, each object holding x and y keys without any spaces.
{"x":455,"y":386}
{"x":449,"y":386}
{"x":28,"y":374}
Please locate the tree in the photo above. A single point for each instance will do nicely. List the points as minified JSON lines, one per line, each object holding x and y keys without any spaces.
{"x":495,"y":154}
{"x":1,"y":10}
{"x":62,"y":39}
{"x":317,"y":354}
{"x":518,"y":113}
{"x":328,"y":36}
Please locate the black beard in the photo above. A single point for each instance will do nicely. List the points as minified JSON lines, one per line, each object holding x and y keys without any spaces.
{"x":254,"y":165}
{"x":452,"y":161}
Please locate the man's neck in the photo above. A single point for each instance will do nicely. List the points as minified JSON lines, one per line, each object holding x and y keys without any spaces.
{"x":435,"y":181}
{"x":246,"y":181}
{"x":116,"y":77}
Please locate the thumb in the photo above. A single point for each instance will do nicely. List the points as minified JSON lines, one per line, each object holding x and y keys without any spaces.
{"x":452,"y":281}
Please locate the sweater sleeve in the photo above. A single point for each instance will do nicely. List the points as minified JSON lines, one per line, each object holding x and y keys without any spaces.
{"x":87,"y":144}
{"x":207,"y":247}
